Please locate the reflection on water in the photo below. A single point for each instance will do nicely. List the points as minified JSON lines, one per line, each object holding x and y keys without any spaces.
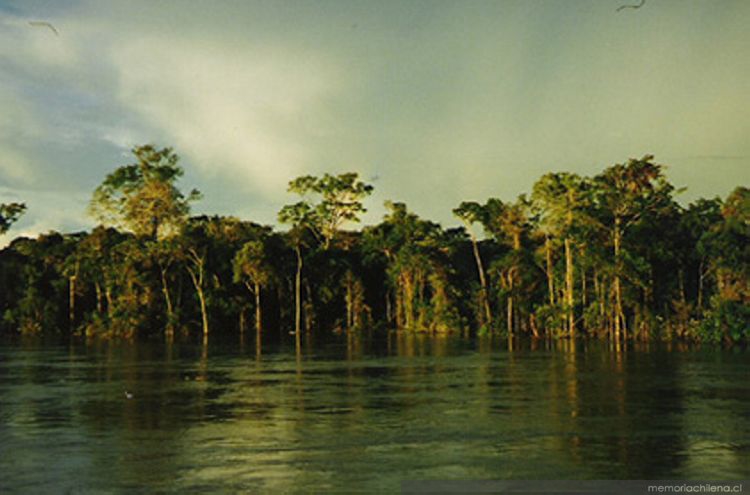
{"x":359,"y":414}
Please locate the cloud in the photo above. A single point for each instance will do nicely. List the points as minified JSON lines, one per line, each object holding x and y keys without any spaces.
{"x":241,"y":113}
{"x":444,"y":102}
{"x":18,"y":128}
{"x":14,"y":166}
{"x":47,"y":210}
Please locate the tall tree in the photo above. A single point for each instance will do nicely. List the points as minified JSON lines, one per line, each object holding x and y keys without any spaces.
{"x":340,"y":201}
{"x":562,"y":199}
{"x":327,"y":203}
{"x":624,"y":193}
{"x":142,"y":197}
{"x":417,"y":253}
{"x":300,"y":218}
{"x":507,"y":224}
{"x":698,"y":220}
{"x":470,"y":213}
{"x":252,"y":267}
{"x":728,"y":243}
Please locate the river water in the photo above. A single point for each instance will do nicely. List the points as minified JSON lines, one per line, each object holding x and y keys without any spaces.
{"x":358,"y":414}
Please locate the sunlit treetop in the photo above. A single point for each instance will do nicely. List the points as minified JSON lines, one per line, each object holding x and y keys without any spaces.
{"x":142,"y":197}
{"x":328,"y":203}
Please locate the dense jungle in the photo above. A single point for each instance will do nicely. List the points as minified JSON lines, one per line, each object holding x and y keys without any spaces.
{"x":614,"y":256}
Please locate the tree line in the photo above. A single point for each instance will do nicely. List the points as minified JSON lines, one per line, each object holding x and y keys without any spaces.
{"x":611,"y":256}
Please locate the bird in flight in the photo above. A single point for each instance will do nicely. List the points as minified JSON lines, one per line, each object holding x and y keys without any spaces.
{"x":44,"y":24}
{"x":631,"y":6}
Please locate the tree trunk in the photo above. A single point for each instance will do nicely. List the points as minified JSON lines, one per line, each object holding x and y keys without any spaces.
{"x":72,"y":301}
{"x":99,"y":296}
{"x":584,"y":289}
{"x":388,"y":310}
{"x":167,"y":299}
{"x":510,"y":303}
{"x":618,"y":291}
{"x":532,"y":325}
{"x":110,"y":303}
{"x":550,"y":272}
{"x":349,"y":301}
{"x":701,"y":276}
{"x":298,"y":292}
{"x":482,"y":280}
{"x":570,"y":299}
{"x":204,"y":311}
{"x":683,"y":297}
{"x":408,"y":285}
{"x":257,"y":309}
{"x":197,"y":279}
{"x":598,"y":294}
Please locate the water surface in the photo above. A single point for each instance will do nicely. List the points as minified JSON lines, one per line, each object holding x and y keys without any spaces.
{"x":360,"y":415}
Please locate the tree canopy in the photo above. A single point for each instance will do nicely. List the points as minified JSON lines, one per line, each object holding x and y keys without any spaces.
{"x":142,"y":197}
{"x":609,"y":256}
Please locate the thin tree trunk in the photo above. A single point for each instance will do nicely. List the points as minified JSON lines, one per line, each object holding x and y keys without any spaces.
{"x":510,"y":302}
{"x":408,"y":302}
{"x":570,"y":299}
{"x":482,"y":280}
{"x":349,"y":301}
{"x":532,"y":325}
{"x":197,"y":279}
{"x":204,"y":311}
{"x":110,"y":304}
{"x":550,"y":273}
{"x":298,"y":293}
{"x":683,"y":297}
{"x":388,"y":309}
{"x":167,"y":299}
{"x":399,"y":296}
{"x":598,"y":290}
{"x":618,"y":291}
{"x":701,"y":276}
{"x":513,"y":317}
{"x":99,"y":296}
{"x":258,"y":322}
{"x":584,"y":296}
{"x":72,"y":301}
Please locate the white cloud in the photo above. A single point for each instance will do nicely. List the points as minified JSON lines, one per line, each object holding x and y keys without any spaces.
{"x":36,"y":48}
{"x":14,"y":165}
{"x":238,"y":113}
{"x":441,"y":106}
{"x":47,"y":210}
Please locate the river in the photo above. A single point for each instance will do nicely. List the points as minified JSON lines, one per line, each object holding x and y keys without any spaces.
{"x":360,"y":414}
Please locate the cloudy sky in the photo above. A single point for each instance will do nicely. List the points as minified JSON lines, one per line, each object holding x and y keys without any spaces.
{"x":434,"y":102}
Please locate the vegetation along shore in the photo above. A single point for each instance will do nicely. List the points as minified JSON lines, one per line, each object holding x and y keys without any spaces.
{"x":612,"y":256}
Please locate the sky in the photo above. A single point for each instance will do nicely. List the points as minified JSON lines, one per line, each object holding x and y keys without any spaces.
{"x":432,"y":102}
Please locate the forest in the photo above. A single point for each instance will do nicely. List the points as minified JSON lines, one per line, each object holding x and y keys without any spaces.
{"x":613,"y":256}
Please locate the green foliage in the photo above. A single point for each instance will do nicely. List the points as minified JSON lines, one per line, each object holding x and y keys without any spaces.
{"x":726,"y":321}
{"x":9,"y":214}
{"x":582,"y":256}
{"x":142,"y":197}
{"x":252,"y":263}
{"x":339,"y":200}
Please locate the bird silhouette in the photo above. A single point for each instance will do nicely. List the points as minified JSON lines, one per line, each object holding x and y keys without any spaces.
{"x":128,"y":395}
{"x":44,"y":24}
{"x":631,"y":6}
